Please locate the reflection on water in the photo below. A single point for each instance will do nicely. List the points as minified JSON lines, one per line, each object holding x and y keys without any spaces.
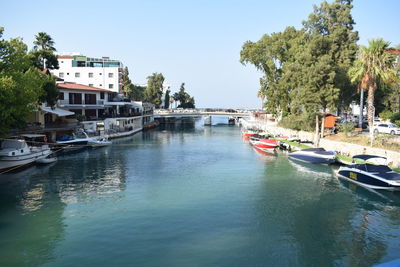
{"x":188,"y":195}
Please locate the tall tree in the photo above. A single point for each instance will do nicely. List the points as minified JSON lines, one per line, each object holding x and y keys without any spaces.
{"x":185,"y":100}
{"x":154,"y":89}
{"x":373,"y":65}
{"x":21,"y":84}
{"x":43,"y":52}
{"x":305,"y":71}
{"x":166,"y":99}
{"x":127,"y":83}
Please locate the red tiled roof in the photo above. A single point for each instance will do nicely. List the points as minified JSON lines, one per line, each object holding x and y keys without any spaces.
{"x":393,"y":51}
{"x":76,"y":86}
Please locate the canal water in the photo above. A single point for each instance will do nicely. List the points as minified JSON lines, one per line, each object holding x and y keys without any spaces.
{"x":191,"y":195}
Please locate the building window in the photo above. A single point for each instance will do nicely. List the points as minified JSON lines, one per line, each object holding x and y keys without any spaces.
{"x":61,"y":96}
{"x":110,"y":86}
{"x":100,"y":73}
{"x":67,"y":73}
{"x":90,"y":74}
{"x":62,"y":61}
{"x":77,"y":75}
{"x":110,"y":75}
{"x":101,"y":95}
{"x":101,"y":85}
{"x":91,"y":84}
{"x":61,"y":75}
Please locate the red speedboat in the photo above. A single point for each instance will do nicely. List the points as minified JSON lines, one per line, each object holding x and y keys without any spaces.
{"x":248,"y":133}
{"x":266,"y":144}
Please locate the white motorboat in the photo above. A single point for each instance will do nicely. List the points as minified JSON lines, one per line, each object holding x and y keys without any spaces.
{"x":46,"y":160}
{"x":16,"y":152}
{"x":99,"y":142}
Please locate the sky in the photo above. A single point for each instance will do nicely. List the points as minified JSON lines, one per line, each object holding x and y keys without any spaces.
{"x":195,"y":42}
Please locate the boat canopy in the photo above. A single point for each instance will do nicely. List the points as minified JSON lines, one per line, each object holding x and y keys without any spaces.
{"x":314,"y":149}
{"x":366,"y":157}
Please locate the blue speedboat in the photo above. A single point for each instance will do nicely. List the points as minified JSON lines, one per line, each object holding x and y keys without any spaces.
{"x":371,"y":176}
{"x":314,"y":155}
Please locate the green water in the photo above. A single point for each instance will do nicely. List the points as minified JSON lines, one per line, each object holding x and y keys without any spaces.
{"x":191,"y":196}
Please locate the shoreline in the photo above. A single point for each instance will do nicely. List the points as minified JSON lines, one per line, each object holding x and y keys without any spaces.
{"x":343,"y":149}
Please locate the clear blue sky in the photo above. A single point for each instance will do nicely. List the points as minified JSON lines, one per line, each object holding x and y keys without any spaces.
{"x":196,"y":42}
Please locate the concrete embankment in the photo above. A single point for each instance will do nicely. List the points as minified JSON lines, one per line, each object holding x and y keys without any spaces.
{"x":343,"y":148}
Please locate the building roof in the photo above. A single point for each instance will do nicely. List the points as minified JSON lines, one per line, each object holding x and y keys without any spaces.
{"x":393,"y":51}
{"x":77,"y":86}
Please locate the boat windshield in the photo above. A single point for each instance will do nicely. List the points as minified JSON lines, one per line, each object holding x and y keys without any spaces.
{"x":373,"y":168}
{"x":15,"y":144}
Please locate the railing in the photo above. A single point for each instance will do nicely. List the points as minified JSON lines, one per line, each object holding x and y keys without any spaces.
{"x":66,"y":102}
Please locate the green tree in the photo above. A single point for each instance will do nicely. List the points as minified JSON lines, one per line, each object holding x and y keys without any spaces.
{"x":305,"y":71}
{"x":185,"y":100}
{"x":154,"y":89}
{"x":373,"y":65}
{"x":20,"y":84}
{"x":42,"y":54}
{"x":166,"y":99}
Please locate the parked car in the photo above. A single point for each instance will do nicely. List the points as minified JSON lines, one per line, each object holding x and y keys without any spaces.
{"x":388,"y":128}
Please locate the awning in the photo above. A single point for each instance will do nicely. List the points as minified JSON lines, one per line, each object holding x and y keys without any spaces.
{"x":58,"y":111}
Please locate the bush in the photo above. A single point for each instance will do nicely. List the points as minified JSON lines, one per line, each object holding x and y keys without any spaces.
{"x":80,"y":117}
{"x":395,"y":117}
{"x":397,"y":122}
{"x":386,"y":115}
{"x":346,"y":127}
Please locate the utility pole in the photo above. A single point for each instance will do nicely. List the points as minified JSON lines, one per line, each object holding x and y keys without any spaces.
{"x":360,"y":119}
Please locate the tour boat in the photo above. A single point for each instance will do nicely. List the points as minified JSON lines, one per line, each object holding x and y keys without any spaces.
{"x":16,"y":152}
{"x":314,"y":155}
{"x":371,"y":176}
{"x":266,"y":144}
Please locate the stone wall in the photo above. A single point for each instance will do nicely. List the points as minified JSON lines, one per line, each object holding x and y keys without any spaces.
{"x":343,"y":148}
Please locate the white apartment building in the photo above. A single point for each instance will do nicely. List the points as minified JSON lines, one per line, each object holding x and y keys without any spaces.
{"x":104,"y":73}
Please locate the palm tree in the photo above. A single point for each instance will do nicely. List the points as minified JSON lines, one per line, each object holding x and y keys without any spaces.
{"x":373,"y":65}
{"x":43,"y":42}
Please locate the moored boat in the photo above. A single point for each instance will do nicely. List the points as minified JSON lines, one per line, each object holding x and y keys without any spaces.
{"x":314,"y":155}
{"x":16,"y":152}
{"x":246,"y":134}
{"x":371,"y":176}
{"x":364,"y":158}
{"x":46,"y":160}
{"x":266,"y":144}
{"x":99,"y":142}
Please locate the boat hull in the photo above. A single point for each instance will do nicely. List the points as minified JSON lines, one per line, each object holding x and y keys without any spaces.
{"x":266,"y":144}
{"x":9,"y":162}
{"x":312,"y":158}
{"x":366,"y":179}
